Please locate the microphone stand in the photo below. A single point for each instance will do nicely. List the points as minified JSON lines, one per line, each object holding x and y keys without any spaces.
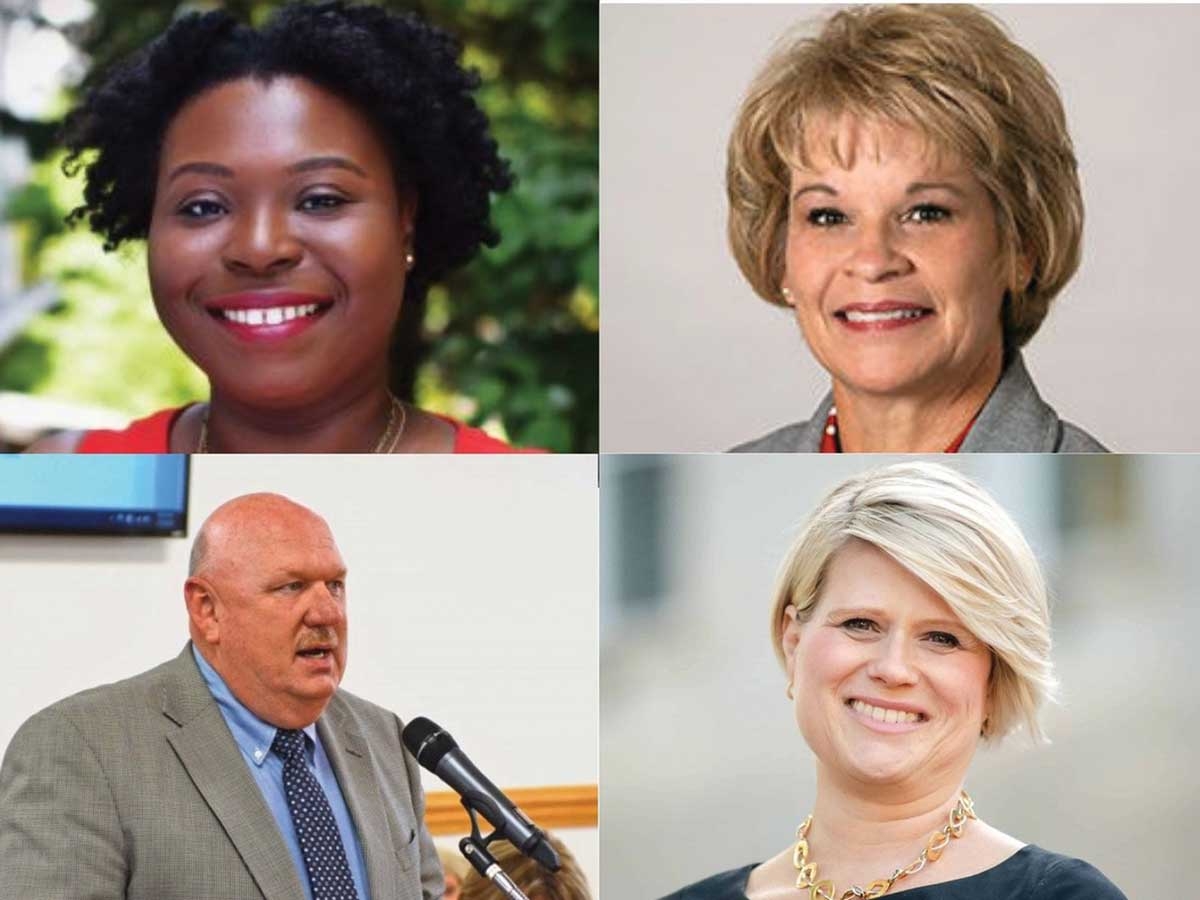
{"x":474,"y":848}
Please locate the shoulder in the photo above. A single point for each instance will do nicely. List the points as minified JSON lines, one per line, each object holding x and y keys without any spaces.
{"x":150,"y":434}
{"x":799,"y":437}
{"x":57,"y":442}
{"x":468,"y":439}
{"x":729,"y":885}
{"x":788,"y":439}
{"x":106,"y":704}
{"x":372,"y":720}
{"x":1052,"y":876}
{"x":1015,"y":419}
{"x":1073,"y":439}
{"x":96,"y":728}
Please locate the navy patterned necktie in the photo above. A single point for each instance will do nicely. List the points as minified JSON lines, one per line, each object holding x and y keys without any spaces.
{"x":320,"y":843}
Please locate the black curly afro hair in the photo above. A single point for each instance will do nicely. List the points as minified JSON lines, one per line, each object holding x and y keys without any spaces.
{"x":401,"y":72}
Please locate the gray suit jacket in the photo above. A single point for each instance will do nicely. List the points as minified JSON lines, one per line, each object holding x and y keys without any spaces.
{"x":137,"y":790}
{"x":1015,"y":419}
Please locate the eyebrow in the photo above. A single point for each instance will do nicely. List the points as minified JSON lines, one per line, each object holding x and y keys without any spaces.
{"x":327,"y":162}
{"x":305,"y":165}
{"x":918,"y":186}
{"x":873,"y":613}
{"x":915,"y":188}
{"x":815,"y":188}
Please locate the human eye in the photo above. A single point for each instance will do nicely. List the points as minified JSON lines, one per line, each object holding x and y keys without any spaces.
{"x":290,"y":587}
{"x":944,"y":639}
{"x":927,"y":214}
{"x":336,"y":587}
{"x":859,"y":624}
{"x":321,"y":201}
{"x":825,"y":217}
{"x":200,"y":209}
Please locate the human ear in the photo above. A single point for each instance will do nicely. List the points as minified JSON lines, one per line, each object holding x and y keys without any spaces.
{"x":202,"y":610}
{"x":1023,"y":266}
{"x":789,"y":632}
{"x":407,"y":205}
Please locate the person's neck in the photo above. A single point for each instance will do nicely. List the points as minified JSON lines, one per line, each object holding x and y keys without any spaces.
{"x":923,"y":421}
{"x":353,"y":422}
{"x":860,"y":833}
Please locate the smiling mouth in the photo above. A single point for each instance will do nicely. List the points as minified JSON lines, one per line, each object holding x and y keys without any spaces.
{"x":879,"y":714}
{"x":270,"y":315}
{"x":891,"y":315}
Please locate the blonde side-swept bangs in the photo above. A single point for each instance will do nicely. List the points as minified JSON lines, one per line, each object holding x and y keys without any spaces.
{"x":952,"y":535}
{"x":952,"y":74}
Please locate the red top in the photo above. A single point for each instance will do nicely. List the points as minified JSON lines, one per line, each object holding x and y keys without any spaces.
{"x":831,"y":444}
{"x":152,"y":435}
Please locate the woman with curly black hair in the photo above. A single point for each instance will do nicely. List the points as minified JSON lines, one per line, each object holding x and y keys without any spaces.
{"x":296,"y":184}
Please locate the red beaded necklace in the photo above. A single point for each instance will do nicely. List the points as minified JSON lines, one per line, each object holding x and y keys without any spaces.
{"x":831,"y":444}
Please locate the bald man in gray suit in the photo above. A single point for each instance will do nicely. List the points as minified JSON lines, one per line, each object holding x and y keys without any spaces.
{"x":179,"y":784}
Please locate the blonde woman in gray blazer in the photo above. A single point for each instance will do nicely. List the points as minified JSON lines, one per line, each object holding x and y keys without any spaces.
{"x":905,"y":183}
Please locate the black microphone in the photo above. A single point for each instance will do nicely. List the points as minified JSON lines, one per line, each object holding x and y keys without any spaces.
{"x":438,"y":752}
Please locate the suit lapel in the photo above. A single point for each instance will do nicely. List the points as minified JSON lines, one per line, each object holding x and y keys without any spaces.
{"x":1014,"y":418}
{"x":347,"y":752}
{"x":212,"y":760}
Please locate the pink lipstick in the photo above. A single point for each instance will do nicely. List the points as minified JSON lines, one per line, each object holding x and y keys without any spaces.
{"x":268,"y":315}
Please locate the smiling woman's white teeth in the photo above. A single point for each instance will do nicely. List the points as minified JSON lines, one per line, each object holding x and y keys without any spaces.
{"x":854,"y":315}
{"x":884,"y":715}
{"x":274,"y":315}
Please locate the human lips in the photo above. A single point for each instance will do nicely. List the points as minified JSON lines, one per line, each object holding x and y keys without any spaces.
{"x":318,"y":647}
{"x":268,"y":314}
{"x":886,"y":715}
{"x":881,"y":315}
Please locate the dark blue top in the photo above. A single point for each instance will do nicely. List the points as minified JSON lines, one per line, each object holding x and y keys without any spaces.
{"x":1029,"y":874}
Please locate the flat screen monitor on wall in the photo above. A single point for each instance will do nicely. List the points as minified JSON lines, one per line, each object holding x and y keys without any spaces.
{"x":143,"y":494}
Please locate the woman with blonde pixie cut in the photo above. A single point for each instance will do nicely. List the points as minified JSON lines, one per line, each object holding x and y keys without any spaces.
{"x":905,"y":182}
{"x":911,"y":619}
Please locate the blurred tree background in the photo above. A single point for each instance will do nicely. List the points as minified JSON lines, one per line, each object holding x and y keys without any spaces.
{"x":509,"y":342}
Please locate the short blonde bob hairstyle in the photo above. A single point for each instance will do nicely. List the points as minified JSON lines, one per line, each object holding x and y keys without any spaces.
{"x":951,"y":73}
{"x":953,"y":536}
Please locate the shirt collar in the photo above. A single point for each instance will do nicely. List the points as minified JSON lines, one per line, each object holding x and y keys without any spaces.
{"x":252,"y":735}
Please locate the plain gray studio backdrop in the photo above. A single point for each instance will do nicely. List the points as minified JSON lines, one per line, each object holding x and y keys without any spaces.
{"x":702,"y":765}
{"x":692,"y":360}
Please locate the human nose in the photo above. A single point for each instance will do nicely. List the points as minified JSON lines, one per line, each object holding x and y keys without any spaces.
{"x":875,"y":255}
{"x":328,"y":607}
{"x":892,"y":663}
{"x":261,"y":243}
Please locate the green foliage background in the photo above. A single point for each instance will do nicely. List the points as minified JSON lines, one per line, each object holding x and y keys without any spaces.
{"x":509,"y":342}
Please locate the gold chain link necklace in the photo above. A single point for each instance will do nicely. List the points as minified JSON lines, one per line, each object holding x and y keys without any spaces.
{"x":824,"y":889}
{"x":397,"y":419}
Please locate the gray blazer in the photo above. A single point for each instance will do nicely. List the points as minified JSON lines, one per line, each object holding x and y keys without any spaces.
{"x":137,"y":790}
{"x":1015,"y":419}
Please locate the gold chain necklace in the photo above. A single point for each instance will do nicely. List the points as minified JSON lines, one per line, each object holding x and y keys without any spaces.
{"x":397,"y":413}
{"x":824,"y":889}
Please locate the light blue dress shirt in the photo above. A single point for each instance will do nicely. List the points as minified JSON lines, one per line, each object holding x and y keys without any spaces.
{"x":254,"y":738}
